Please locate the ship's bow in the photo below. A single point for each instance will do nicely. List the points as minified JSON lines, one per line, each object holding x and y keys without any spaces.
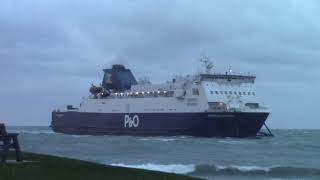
{"x":237,"y":124}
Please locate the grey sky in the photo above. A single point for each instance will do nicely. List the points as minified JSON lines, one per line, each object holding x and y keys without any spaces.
{"x":51,"y":51}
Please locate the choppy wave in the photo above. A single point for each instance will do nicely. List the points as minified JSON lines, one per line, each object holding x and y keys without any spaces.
{"x":171,"y":168}
{"x":158,"y":139}
{"x":34,"y":131}
{"x":234,"y":142}
{"x":272,"y":171}
{"x":205,"y":170}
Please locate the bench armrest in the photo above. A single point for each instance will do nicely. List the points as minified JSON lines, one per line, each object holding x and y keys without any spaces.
{"x":13,"y":134}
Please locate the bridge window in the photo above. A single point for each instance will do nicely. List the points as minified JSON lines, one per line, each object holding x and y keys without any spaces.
{"x":235,"y":93}
{"x":225,"y":92}
{"x":244,"y":93}
{"x":249,"y":93}
{"x":230,"y":92}
{"x":253,"y":93}
{"x":217,"y":92}
{"x":252,"y":105}
{"x":240,"y":93}
{"x":221,"y":92}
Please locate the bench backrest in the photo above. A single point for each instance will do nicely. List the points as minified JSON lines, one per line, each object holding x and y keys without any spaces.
{"x":3,"y":131}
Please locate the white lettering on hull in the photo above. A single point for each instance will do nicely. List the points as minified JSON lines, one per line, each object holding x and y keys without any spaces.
{"x":131,"y":121}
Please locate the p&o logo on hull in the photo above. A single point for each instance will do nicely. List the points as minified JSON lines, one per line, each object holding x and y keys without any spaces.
{"x":131,"y":121}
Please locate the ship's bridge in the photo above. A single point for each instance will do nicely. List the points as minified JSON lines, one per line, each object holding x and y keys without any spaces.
{"x":232,"y":91}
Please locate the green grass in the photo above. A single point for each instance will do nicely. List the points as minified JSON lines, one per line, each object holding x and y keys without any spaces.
{"x":44,"y":167}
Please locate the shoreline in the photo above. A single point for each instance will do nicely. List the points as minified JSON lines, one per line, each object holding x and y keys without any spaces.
{"x":39,"y":167}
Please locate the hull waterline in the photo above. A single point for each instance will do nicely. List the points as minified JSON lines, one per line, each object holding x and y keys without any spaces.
{"x":235,"y":124}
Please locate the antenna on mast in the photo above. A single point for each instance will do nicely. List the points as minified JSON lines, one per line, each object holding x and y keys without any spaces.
{"x":207,"y":63}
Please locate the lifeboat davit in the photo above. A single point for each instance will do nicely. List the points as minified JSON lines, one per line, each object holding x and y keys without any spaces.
{"x":105,"y":93}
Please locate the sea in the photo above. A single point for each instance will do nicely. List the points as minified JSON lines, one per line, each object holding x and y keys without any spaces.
{"x":289,"y":155}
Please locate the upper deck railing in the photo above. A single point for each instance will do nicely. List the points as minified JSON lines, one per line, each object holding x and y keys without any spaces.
{"x":208,"y":65}
{"x":227,"y":76}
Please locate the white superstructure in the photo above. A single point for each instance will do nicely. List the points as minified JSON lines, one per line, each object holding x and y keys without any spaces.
{"x":203,"y":92}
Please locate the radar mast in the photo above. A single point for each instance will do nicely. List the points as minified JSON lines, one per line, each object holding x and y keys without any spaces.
{"x":207,"y":64}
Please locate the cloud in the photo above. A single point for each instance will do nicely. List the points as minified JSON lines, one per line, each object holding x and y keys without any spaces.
{"x":43,"y":43}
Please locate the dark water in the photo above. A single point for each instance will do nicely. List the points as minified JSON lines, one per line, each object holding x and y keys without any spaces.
{"x":291,"y":154}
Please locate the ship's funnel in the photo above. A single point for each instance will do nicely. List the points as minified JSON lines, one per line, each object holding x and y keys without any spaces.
{"x":118,"y":78}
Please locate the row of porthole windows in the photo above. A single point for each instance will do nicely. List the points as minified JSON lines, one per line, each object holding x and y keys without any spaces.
{"x":233,"y":93}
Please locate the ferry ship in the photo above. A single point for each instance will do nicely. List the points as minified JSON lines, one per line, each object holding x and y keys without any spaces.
{"x":205,"y":104}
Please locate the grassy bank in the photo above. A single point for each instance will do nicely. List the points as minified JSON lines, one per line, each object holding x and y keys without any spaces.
{"x":44,"y":167}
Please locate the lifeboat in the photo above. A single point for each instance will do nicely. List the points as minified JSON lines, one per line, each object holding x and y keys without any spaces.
{"x":95,"y":89}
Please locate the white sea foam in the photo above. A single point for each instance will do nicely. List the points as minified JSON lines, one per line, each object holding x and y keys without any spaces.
{"x":234,"y":142}
{"x":190,"y":168}
{"x":158,"y":139}
{"x":266,"y":169}
{"x":251,"y":168}
{"x":170,"y":168}
{"x":79,"y":136}
{"x":35,"y":132}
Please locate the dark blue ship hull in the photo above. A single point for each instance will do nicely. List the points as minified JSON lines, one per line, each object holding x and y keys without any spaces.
{"x":235,"y":124}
